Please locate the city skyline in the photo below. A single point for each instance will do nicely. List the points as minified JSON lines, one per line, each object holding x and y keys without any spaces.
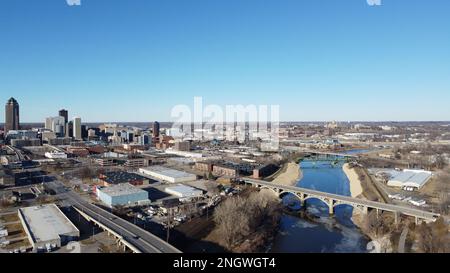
{"x":152,"y":121}
{"x":344,"y":61}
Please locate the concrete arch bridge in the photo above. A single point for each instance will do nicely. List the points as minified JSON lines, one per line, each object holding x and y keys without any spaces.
{"x":334,"y":200}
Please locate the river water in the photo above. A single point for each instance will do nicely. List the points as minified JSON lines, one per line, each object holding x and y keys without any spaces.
{"x":325,"y":234}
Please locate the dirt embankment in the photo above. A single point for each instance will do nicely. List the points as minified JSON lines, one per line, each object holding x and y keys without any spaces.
{"x":290,"y":175}
{"x":355,"y":182}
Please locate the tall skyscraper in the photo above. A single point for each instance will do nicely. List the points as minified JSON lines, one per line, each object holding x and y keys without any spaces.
{"x":156,"y":128}
{"x":12,"y":115}
{"x":70,"y":129}
{"x":65,"y":114}
{"x":77,"y":128}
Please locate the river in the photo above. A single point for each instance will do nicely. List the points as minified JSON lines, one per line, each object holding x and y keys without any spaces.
{"x":326,"y":234}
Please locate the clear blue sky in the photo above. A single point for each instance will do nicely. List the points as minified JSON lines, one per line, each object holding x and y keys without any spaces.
{"x":132,"y":60}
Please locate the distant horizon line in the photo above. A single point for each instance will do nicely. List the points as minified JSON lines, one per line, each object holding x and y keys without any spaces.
{"x":287,"y":121}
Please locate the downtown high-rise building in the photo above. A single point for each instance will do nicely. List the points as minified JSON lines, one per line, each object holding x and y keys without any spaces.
{"x":65,"y":114}
{"x":156,"y":128}
{"x":12,"y":115}
{"x":77,"y":134}
{"x":57,"y":125}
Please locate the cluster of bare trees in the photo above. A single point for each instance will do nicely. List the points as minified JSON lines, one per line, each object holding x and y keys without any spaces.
{"x":238,"y":217}
{"x":443,"y":192}
{"x":433,"y":238}
{"x":377,"y":226}
{"x":430,"y":238}
{"x":87,"y":173}
{"x":430,"y":156}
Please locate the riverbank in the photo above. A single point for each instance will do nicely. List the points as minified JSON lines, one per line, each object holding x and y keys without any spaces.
{"x":290,"y":176}
{"x":356,"y":189}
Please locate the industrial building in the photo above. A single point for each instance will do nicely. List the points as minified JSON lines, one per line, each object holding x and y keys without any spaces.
{"x":231,"y":169}
{"x":410,"y":179}
{"x":114,"y":178}
{"x":184,"y":192}
{"x":19,"y":143}
{"x":47,"y":227}
{"x":168,"y":175}
{"x":122,"y":195}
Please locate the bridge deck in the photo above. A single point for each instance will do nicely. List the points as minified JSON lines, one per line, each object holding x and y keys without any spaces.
{"x":132,"y":234}
{"x":371,"y":204}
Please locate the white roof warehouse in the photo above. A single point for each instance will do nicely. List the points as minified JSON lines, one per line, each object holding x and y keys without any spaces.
{"x":47,"y":227}
{"x":168,"y":175}
{"x":184,"y":192}
{"x":410,"y":178}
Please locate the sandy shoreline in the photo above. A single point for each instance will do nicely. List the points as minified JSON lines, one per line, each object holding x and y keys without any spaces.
{"x":290,"y":176}
{"x":355,"y":184}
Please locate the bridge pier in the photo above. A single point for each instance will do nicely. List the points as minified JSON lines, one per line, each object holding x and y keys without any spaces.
{"x":366,"y":211}
{"x":417,"y":221}
{"x":396,"y":218}
{"x":302,"y":200}
{"x":303,"y":203}
{"x":331,"y":207}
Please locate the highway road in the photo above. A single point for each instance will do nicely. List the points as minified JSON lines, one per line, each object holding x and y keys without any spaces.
{"x":136,"y":236}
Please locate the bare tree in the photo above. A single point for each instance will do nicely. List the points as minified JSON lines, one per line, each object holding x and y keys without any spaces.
{"x":440,"y":162}
{"x":237,"y":217}
{"x":433,"y":238}
{"x":443,"y":191}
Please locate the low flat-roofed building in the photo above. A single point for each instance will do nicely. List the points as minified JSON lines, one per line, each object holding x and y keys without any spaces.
{"x":223,"y":170}
{"x":135,"y":162}
{"x":78,"y":151}
{"x":105,"y":161}
{"x":114,"y":178}
{"x":184,"y":192}
{"x":123,"y":195}
{"x":168,"y":175}
{"x":410,"y":178}
{"x":19,"y":143}
{"x":47,"y":227}
{"x":206,"y":167}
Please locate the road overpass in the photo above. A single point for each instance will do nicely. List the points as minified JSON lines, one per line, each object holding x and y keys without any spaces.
{"x":19,"y":154}
{"x":334,"y":200}
{"x":318,"y":152}
{"x":128,"y":234}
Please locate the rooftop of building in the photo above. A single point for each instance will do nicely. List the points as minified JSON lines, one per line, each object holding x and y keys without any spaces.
{"x":12,"y":101}
{"x":184,"y":189}
{"x":121,"y":189}
{"x":167,"y":172}
{"x":418,"y":177}
{"x":121,"y":177}
{"x":47,"y":222}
